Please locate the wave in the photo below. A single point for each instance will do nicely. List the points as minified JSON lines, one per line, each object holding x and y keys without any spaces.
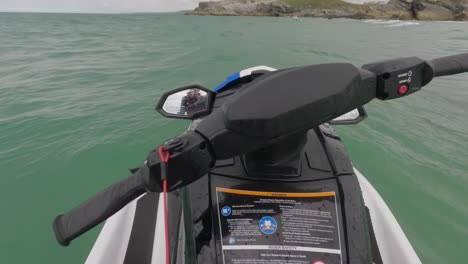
{"x":391,"y":23}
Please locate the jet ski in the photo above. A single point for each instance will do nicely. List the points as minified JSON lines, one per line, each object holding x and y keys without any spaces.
{"x":260,"y":176}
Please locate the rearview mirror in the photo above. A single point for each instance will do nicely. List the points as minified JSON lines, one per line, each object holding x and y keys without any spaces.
{"x":186,"y":102}
{"x":351,"y":118}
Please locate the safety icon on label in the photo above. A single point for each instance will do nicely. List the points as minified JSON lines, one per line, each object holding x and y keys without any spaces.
{"x":226,"y":211}
{"x":232,"y":240}
{"x":267,"y":225}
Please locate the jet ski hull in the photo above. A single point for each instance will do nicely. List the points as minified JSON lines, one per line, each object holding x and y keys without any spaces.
{"x":362,"y":216}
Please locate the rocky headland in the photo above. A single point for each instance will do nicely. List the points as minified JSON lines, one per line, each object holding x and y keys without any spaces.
{"x":432,"y":10}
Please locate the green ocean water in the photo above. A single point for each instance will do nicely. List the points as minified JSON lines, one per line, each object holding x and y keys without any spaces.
{"x":77,"y":97}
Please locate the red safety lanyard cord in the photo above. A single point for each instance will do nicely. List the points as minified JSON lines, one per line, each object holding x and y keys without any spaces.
{"x":164,"y":159}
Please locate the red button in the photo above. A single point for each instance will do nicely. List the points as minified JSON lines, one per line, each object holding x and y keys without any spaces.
{"x":403,"y":89}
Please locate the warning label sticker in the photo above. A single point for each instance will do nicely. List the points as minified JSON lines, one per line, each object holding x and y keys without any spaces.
{"x":276,"y":227}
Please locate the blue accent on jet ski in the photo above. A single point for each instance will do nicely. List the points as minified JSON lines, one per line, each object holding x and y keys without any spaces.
{"x":229,"y":79}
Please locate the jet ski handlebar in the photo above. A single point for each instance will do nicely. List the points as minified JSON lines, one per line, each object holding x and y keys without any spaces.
{"x":190,"y":158}
{"x":296,"y":100}
{"x":97,"y":209}
{"x":450,"y":65}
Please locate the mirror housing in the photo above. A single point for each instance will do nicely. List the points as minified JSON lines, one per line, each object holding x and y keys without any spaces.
{"x":187,"y":102}
{"x":351,"y":118}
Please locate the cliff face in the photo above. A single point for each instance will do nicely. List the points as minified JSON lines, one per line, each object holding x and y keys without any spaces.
{"x":244,"y":7}
{"x":394,"y":9}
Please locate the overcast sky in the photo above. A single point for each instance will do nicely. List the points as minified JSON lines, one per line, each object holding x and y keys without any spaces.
{"x":96,"y":6}
{"x":103,"y":6}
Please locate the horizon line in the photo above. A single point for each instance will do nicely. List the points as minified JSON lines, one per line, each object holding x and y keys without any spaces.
{"x":95,"y":13}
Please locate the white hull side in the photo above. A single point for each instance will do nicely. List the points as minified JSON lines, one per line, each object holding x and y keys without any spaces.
{"x":393,"y":244}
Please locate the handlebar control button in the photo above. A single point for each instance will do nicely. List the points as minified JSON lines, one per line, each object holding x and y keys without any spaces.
{"x":403,"y":89}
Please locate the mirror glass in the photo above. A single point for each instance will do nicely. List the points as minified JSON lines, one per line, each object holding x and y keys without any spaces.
{"x":350,"y":116}
{"x":186,"y":103}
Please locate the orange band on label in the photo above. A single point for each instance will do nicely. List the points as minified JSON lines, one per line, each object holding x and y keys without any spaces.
{"x":275,"y":194}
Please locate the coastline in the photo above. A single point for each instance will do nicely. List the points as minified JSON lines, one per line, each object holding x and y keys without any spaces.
{"x":419,"y":10}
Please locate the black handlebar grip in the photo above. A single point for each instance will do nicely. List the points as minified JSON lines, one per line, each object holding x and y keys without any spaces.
{"x":450,"y":65}
{"x":97,"y":209}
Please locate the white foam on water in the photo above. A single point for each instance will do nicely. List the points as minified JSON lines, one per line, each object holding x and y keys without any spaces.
{"x":380,"y":21}
{"x":403,"y":24}
{"x":453,"y":22}
{"x":391,"y":23}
